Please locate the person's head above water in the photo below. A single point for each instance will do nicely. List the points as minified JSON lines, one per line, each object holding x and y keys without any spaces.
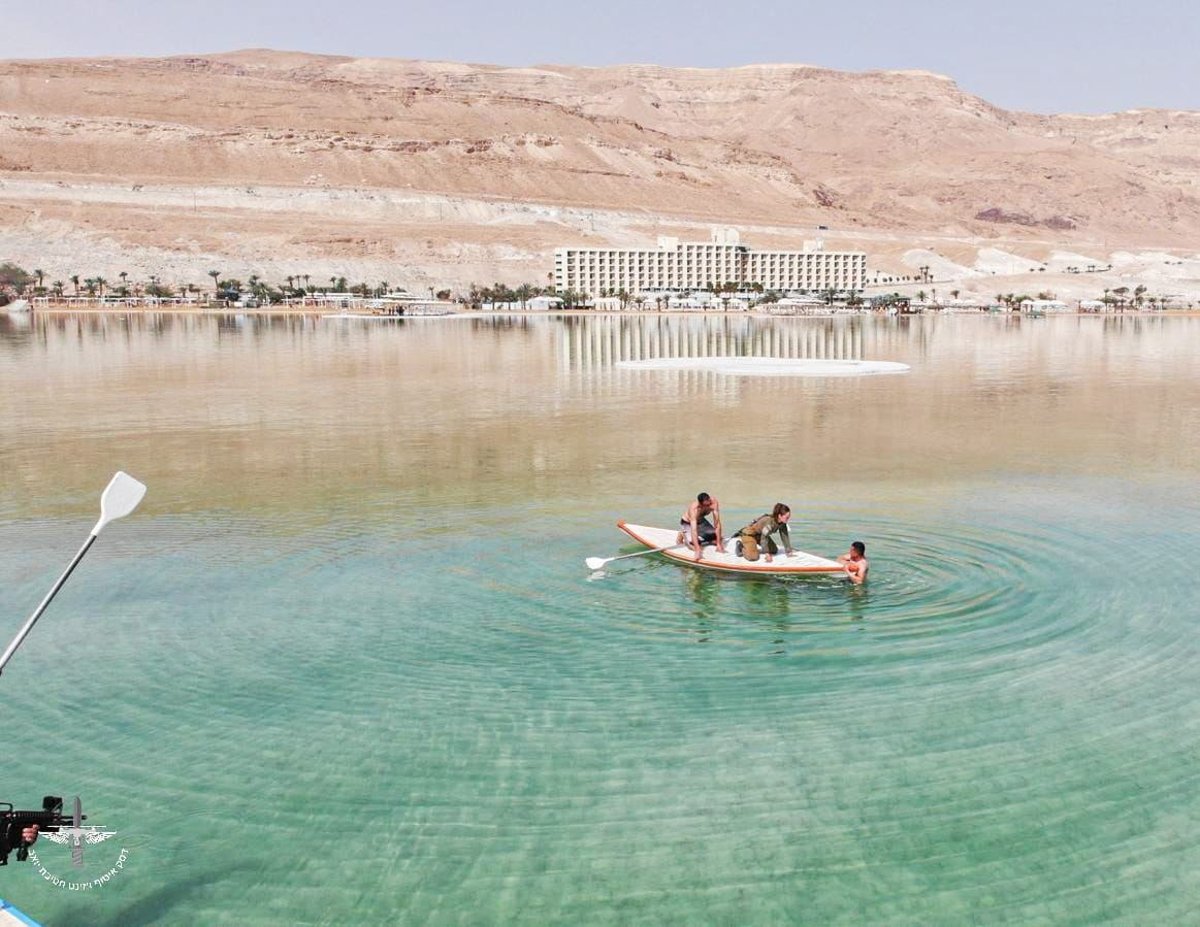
{"x":704,"y":498}
{"x":859,"y":548}
{"x":780,"y":512}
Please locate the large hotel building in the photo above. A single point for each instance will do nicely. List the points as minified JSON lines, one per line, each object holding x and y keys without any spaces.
{"x":679,"y":266}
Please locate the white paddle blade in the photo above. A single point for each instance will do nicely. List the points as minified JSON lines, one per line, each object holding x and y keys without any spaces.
{"x":120,"y":498}
{"x":595,"y":563}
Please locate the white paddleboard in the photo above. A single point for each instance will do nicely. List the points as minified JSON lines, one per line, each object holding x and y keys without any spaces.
{"x":799,"y":563}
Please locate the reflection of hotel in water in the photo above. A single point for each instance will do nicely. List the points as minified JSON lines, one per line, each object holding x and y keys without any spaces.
{"x":597,"y":342}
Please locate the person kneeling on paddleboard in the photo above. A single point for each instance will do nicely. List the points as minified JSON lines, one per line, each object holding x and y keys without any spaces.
{"x":756,"y":536}
{"x":695,"y":529}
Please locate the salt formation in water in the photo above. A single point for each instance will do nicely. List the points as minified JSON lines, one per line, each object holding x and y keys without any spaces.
{"x":770,"y":366}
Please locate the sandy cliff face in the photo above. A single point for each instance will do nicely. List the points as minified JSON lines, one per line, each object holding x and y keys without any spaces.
{"x":452,"y":173}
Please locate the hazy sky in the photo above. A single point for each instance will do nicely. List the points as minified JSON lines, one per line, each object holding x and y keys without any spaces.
{"x":1049,"y":56}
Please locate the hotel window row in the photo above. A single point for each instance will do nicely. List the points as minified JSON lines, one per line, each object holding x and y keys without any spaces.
{"x":694,"y":266}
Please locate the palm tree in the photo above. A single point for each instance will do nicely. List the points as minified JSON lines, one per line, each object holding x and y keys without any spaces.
{"x":57,"y":287}
{"x":41,"y":275}
{"x":524,"y":292}
{"x":74,"y":278}
{"x":216,"y":275}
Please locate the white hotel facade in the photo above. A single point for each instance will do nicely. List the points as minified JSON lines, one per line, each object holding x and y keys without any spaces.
{"x":678,"y":266}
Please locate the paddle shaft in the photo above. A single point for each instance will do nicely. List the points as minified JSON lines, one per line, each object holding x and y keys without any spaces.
{"x":642,"y":553}
{"x":24,"y":632}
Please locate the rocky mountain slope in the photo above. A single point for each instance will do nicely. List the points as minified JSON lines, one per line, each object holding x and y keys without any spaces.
{"x":460,"y":172}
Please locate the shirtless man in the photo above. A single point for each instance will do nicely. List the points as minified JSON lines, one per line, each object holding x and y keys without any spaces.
{"x":855,"y":562}
{"x":695,"y":528}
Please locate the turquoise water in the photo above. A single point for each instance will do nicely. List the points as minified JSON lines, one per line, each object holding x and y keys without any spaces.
{"x":346,"y":665}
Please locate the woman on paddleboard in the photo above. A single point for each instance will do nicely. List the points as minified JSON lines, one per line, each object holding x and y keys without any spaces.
{"x":756,"y":536}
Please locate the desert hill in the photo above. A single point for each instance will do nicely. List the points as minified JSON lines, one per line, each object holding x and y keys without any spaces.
{"x":432,"y":173}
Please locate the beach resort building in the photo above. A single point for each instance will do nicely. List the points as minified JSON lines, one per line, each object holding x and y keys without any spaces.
{"x":683,"y":265}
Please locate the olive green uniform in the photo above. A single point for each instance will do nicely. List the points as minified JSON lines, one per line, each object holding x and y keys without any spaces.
{"x":756,"y":537}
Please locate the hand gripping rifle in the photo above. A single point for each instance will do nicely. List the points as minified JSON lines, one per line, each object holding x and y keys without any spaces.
{"x":13,"y":824}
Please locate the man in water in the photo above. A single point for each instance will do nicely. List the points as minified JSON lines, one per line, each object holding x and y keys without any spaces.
{"x":695,"y":528}
{"x":855,"y":562}
{"x":756,"y":536}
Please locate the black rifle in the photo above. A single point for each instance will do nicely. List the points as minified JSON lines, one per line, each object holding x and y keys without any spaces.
{"x":13,"y":824}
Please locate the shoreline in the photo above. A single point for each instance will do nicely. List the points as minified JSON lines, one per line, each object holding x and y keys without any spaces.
{"x":286,"y":311}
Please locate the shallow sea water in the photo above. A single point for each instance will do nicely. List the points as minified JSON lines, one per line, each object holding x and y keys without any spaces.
{"x":346,"y":665}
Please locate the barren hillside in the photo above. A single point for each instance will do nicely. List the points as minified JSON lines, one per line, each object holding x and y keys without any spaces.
{"x":429,"y":173}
